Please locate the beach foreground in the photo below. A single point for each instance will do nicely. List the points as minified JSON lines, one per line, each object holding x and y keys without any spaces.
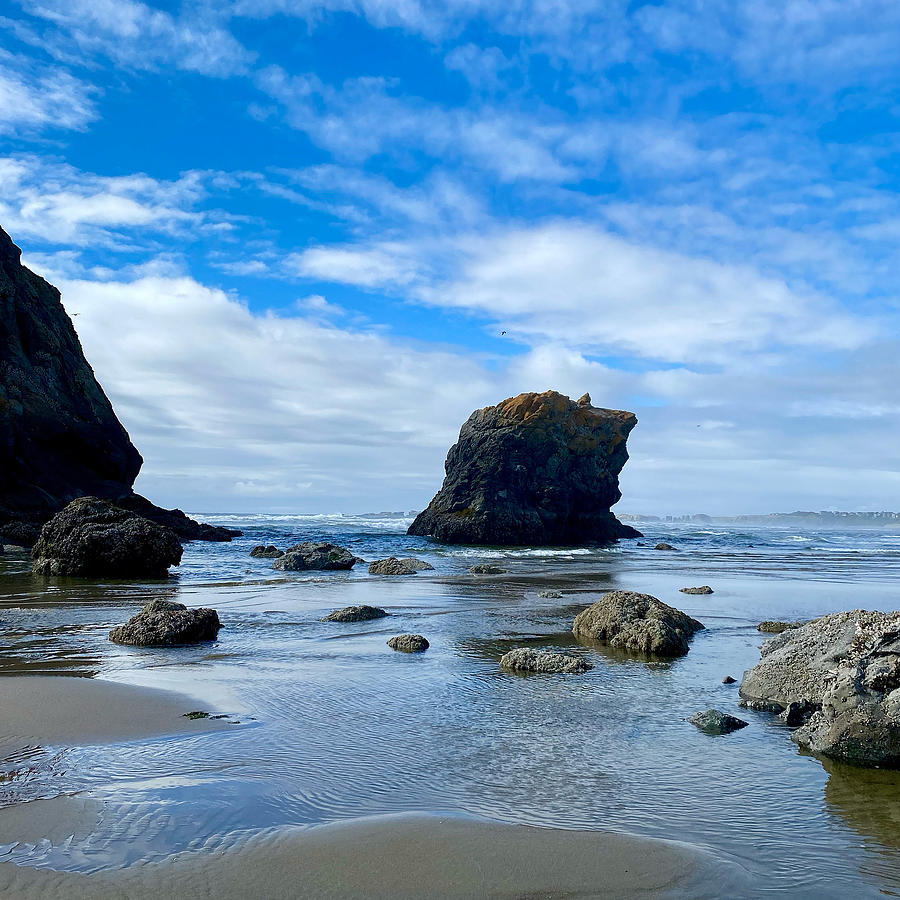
{"x":345,"y":768}
{"x":40,"y":710}
{"x":403,"y":856}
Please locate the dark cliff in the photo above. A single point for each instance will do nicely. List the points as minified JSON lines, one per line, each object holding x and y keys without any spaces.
{"x":537,"y":469}
{"x":59,"y":436}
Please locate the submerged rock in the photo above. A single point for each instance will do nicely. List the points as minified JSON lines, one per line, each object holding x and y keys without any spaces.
{"x":162,"y":623}
{"x":93,"y":538}
{"x":536,"y":470}
{"x":550,"y":595}
{"x":310,"y":555}
{"x":355,"y":614}
{"x":409,"y":643}
{"x":391,"y":566}
{"x":770,"y":627}
{"x":714,"y":721}
{"x":841,"y":674}
{"x":664,"y":546}
{"x":266,"y":551}
{"x":637,"y":623}
{"x":703,"y":589}
{"x":487,"y":569}
{"x":526,"y":659}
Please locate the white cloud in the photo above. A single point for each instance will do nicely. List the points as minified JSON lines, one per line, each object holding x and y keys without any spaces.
{"x":583,"y":287}
{"x":219,"y":399}
{"x":239,"y":410}
{"x":382,"y":265}
{"x":140,"y":36}
{"x":34,"y":98}
{"x":58,"y":203}
{"x":362,"y":118}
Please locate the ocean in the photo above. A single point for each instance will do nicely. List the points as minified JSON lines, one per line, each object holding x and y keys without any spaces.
{"x":330,"y":724}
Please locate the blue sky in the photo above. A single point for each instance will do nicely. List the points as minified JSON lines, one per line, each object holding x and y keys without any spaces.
{"x":293,"y":232}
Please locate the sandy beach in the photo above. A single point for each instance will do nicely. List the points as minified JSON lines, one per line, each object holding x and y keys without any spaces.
{"x":60,"y":711}
{"x":399,"y":857}
{"x":389,"y":857}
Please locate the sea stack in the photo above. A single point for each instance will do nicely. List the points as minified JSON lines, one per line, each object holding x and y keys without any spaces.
{"x":535,"y":470}
{"x":59,"y":436}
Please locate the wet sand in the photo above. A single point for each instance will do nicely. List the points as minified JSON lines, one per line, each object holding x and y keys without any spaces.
{"x":400,"y":857}
{"x":60,"y":711}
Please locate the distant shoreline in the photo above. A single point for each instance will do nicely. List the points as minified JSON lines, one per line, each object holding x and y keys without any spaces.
{"x":822,"y":519}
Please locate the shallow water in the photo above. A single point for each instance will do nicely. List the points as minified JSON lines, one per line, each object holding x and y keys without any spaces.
{"x":335,"y":725}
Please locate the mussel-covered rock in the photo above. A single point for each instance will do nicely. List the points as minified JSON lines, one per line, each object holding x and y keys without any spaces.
{"x":409,"y":643}
{"x":321,"y":556}
{"x":548,"y":662}
{"x":162,"y":623}
{"x":637,"y":623}
{"x":355,"y":614}
{"x":94,"y":538}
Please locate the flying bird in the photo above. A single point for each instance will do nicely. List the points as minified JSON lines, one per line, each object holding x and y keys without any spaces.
{"x":502,"y":333}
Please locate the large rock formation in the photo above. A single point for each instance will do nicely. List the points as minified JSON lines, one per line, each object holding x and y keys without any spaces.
{"x":537,"y":469}
{"x":93,"y":538}
{"x":59,"y":436}
{"x":847,"y":667}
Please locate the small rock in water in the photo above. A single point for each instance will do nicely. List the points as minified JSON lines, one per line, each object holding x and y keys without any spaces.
{"x":162,"y":623}
{"x":391,"y":566}
{"x":355,"y":614}
{"x":196,"y":714}
{"x":409,"y":643}
{"x":266,"y":551}
{"x":664,"y":546}
{"x":729,"y":680}
{"x":525,"y":659}
{"x":486,"y":569}
{"x":714,"y":721}
{"x":637,"y":623}
{"x":311,"y":555}
{"x":777,"y":627}
{"x":703,"y":589}
{"x":550,"y":595}
{"x":418,"y":564}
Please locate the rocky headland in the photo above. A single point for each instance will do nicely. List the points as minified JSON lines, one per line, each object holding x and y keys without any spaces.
{"x":59,"y":436}
{"x":535,"y":470}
